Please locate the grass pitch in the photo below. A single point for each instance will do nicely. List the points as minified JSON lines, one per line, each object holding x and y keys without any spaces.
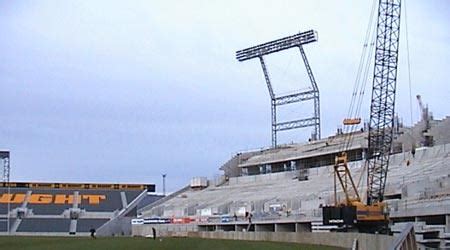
{"x":77,"y":243}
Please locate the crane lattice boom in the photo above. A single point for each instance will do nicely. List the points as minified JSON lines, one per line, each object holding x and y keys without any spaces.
{"x":383,"y":98}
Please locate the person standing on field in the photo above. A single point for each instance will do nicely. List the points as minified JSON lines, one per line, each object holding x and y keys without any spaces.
{"x":92,"y":230}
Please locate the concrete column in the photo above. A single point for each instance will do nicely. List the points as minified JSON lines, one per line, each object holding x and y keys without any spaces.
{"x":123,"y":198}
{"x":447,"y":223}
{"x":73,"y":227}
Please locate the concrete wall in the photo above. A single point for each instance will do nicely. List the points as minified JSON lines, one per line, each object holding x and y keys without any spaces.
{"x":261,"y":178}
{"x":344,"y":240}
{"x":164,"y":230}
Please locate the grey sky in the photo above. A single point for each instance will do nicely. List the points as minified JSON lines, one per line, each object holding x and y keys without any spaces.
{"x":122,"y":91}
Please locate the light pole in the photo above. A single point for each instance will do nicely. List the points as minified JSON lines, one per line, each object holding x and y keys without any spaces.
{"x":164,"y":184}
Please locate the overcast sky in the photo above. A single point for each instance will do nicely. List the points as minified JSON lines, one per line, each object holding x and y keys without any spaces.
{"x":123,"y":91}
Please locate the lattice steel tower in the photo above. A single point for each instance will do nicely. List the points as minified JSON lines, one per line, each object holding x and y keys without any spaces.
{"x":312,"y":94}
{"x":4,"y":157}
{"x":383,"y":98}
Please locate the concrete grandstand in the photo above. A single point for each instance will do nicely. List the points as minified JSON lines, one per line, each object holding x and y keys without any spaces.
{"x":70,"y":208}
{"x":284,"y":188}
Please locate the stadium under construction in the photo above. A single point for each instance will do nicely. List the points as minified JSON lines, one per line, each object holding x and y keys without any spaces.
{"x":377,"y":177}
{"x":378,"y":184}
{"x":285,"y":189}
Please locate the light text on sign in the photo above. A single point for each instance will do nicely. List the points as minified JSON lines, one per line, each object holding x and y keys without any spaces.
{"x":91,"y":199}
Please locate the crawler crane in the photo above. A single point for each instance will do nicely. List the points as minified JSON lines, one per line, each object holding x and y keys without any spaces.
{"x":354,"y":213}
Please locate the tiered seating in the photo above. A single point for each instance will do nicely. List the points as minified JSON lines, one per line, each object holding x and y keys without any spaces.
{"x":111,"y":203}
{"x":44,"y":225}
{"x":46,"y":209}
{"x":84,"y":225}
{"x":131,"y":195}
{"x":4,"y":206}
{"x":302,"y":197}
{"x":149,"y":199}
{"x":51,"y":210}
{"x":3,"y":226}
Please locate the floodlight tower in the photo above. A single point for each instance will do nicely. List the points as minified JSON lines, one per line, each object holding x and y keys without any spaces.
{"x":259,"y":51}
{"x":4,"y":156}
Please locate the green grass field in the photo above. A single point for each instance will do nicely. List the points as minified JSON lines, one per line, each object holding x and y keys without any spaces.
{"x":81,"y":243}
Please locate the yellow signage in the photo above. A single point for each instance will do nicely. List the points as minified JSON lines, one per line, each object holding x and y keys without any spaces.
{"x":92,"y":199}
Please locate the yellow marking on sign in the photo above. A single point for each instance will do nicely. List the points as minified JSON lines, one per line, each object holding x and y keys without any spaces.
{"x":40,"y":199}
{"x":63,"y":199}
{"x":12,"y":198}
{"x":58,"y":199}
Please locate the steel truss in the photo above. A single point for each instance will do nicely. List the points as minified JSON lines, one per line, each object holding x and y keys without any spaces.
{"x":4,"y":156}
{"x":297,"y":40}
{"x":383,"y":98}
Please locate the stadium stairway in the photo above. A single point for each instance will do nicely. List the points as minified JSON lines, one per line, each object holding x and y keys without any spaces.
{"x":73,"y":221}
{"x":165,"y":199}
{"x":121,"y":223}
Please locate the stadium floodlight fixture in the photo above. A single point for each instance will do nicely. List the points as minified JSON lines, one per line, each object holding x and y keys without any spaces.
{"x":296,"y":40}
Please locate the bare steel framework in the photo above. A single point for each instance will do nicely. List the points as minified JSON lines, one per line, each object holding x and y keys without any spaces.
{"x":383,"y":98}
{"x":259,"y":51}
{"x":4,"y":156}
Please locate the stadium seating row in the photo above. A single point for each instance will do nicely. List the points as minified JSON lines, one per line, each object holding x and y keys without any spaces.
{"x":60,"y":210}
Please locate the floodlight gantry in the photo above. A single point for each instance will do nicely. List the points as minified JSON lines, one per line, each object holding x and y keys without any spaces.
{"x":259,"y":51}
{"x":4,"y":156}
